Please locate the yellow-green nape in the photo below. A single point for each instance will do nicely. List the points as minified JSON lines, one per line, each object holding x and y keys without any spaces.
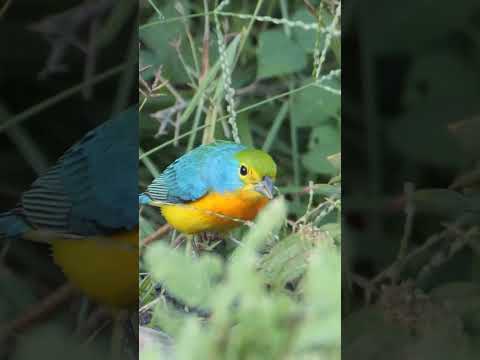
{"x":258,"y":160}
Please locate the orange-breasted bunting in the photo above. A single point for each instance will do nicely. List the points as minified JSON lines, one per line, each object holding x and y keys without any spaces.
{"x":85,"y":207}
{"x":213,"y":187}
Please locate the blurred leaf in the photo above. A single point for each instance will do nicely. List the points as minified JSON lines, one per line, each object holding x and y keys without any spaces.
{"x":268,"y":221}
{"x":466,"y":132}
{"x":243,"y":75}
{"x":286,"y":261}
{"x":426,"y":89}
{"x":244,"y":131}
{"x":322,"y":328}
{"x":146,"y":228}
{"x":306,"y":38}
{"x":432,"y":107}
{"x":241,"y":269}
{"x":440,"y":202}
{"x":408,"y":134}
{"x":418,"y":28}
{"x":319,"y":189}
{"x":278,"y":55}
{"x":193,"y":281}
{"x":153,"y":343}
{"x":324,"y":141}
{"x":335,"y":160}
{"x":314,"y":106}
{"x":193,"y":342}
{"x":333,"y":229}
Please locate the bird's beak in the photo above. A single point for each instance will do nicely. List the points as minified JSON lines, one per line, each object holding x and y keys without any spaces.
{"x":265,"y":187}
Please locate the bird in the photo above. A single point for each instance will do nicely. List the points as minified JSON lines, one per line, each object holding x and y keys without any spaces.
{"x":85,"y":207}
{"x":213,"y":188}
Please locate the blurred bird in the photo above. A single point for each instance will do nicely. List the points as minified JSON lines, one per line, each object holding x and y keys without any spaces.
{"x":85,"y":207}
{"x":213,"y":188}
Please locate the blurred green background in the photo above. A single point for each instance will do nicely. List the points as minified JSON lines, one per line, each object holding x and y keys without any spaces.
{"x":65,"y":67}
{"x":410,"y":108}
{"x":280,"y":62}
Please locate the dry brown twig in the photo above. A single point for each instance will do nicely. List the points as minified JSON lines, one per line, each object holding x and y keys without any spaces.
{"x":156,"y":235}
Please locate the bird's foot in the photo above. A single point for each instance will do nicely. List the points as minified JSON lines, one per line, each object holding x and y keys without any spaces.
{"x":209,"y":241}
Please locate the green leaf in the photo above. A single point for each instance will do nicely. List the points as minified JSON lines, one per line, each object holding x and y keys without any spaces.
{"x":322,"y":296}
{"x":306,"y":38}
{"x":244,"y":131}
{"x":158,"y":50}
{"x":190,"y":280}
{"x":146,"y":228}
{"x":433,"y":106}
{"x":319,"y":189}
{"x":278,"y":55}
{"x":335,"y":160}
{"x":268,"y":221}
{"x":286,"y":261}
{"x":242,"y":267}
{"x":415,"y":36}
{"x":324,"y":141}
{"x":315,"y":105}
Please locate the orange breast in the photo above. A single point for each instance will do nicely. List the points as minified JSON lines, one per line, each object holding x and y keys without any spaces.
{"x":215,"y":212}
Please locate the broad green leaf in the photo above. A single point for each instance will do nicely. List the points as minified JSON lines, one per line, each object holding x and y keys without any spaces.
{"x":432,"y":107}
{"x":157,"y":49}
{"x":418,"y":28}
{"x":324,"y":142}
{"x":306,"y":38}
{"x":314,"y":105}
{"x":244,"y":131}
{"x":278,"y":55}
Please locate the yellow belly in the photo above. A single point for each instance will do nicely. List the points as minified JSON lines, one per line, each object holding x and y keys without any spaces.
{"x":104,"y":268}
{"x":214,"y":212}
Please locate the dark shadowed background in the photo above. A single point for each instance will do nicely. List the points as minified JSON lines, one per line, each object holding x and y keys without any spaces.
{"x":65,"y":67}
{"x":411,"y":123}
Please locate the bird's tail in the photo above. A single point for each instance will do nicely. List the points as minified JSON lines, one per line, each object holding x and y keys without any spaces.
{"x":12,"y":225}
{"x":144,"y":199}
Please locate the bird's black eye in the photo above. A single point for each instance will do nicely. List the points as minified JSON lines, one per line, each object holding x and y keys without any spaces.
{"x":243,"y":170}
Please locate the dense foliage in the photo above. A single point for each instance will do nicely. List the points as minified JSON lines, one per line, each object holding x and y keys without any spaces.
{"x":269,"y":72}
